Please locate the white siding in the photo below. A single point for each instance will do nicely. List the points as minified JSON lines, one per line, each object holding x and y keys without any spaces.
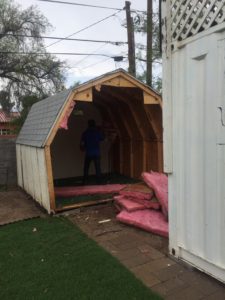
{"x":196,"y":184}
{"x":32,"y":173}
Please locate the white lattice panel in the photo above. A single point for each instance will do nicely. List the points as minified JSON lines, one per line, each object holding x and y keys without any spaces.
{"x":189,"y":17}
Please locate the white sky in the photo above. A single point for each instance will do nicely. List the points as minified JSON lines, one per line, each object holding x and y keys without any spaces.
{"x":67,"y":19}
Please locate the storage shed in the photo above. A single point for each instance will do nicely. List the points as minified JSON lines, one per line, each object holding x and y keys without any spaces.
{"x":194,"y":131}
{"x":48,"y":144}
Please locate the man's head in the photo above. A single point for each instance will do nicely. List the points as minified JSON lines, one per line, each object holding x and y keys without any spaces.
{"x":91,"y":123}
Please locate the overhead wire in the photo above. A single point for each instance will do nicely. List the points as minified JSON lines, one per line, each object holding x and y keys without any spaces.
{"x":87,"y":5}
{"x":100,"y":62}
{"x":56,"y":53}
{"x":59,"y":39}
{"x":117,"y":43}
{"x":84,"y":58}
{"x":93,"y":24}
{"x":87,"y":27}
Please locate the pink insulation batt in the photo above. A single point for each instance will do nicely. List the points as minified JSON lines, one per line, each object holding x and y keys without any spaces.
{"x":71,"y":191}
{"x":149,"y":220}
{"x":138,"y":195}
{"x":132,"y":203}
{"x":123,"y":203}
{"x":159,"y":183}
{"x":64,"y":123}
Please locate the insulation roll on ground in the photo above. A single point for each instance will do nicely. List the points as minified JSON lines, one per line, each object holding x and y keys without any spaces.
{"x":133,"y":203}
{"x":159,"y":183}
{"x":129,"y":205}
{"x":137,"y":195}
{"x":149,"y":220}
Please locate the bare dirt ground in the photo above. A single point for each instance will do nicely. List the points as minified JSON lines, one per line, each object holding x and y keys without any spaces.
{"x":15,"y":205}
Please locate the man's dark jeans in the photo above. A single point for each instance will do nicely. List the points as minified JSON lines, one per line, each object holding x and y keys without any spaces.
{"x":87,"y":162}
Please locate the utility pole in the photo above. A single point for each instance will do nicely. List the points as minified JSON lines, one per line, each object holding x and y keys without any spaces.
{"x":130,"y":39}
{"x":149,"y":43}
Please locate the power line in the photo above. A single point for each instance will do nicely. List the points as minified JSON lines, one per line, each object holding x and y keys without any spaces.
{"x":87,"y":27}
{"x":117,"y":43}
{"x":100,"y":62}
{"x":84,"y":58}
{"x":57,"y":53}
{"x":72,"y":54}
{"x":145,"y":60}
{"x":88,"y":5}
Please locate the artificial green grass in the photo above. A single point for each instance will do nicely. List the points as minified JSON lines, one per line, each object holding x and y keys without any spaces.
{"x":50,"y":258}
{"x":63,"y":201}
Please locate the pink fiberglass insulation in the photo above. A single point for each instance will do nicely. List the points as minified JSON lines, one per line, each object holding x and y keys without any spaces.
{"x":159,"y":183}
{"x":71,"y":191}
{"x":137,"y":194}
{"x":149,"y":220}
{"x":64,"y":123}
{"x":127,"y":204}
{"x":132,"y":203}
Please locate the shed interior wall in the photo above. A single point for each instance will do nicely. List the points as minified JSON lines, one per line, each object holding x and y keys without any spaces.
{"x":67,"y":158}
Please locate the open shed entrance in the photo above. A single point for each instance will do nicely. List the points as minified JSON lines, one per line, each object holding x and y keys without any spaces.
{"x":133,"y":139}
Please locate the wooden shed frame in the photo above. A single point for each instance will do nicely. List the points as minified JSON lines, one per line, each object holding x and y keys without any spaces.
{"x":34,"y":165}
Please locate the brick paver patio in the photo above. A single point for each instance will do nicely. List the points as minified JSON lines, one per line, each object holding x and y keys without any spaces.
{"x":146,"y":256}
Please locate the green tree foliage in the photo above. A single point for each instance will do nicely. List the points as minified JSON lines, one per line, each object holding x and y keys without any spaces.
{"x":26,"y":102}
{"x":29,"y":73}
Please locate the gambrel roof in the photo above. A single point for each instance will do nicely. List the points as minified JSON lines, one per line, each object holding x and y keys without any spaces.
{"x":44,"y":114}
{"x":41,"y":119}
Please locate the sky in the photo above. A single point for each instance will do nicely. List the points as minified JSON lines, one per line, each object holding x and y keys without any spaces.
{"x":67,"y":19}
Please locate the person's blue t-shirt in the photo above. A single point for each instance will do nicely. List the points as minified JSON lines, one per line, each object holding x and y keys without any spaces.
{"x":91,"y":139}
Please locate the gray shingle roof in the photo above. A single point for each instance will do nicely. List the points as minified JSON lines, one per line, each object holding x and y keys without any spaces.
{"x":43,"y":114}
{"x":41,"y":119}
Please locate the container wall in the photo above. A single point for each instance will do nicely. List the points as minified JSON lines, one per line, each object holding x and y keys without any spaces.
{"x":196,"y":184}
{"x":32,"y":173}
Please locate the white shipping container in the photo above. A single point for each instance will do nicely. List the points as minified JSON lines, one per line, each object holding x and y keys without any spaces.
{"x":194,"y":141}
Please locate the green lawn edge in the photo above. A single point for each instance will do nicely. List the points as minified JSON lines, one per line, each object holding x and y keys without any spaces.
{"x":51,"y":258}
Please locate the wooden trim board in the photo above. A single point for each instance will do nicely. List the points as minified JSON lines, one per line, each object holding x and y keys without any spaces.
{"x":83,"y":204}
{"x":50,"y":179}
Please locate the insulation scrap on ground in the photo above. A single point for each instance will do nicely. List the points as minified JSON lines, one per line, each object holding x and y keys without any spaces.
{"x":145,"y":205}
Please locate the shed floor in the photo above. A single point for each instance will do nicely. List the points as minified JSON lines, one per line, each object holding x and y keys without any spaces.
{"x":112,"y":178}
{"x":15,"y":206}
{"x":146,"y":255}
{"x":106,"y":179}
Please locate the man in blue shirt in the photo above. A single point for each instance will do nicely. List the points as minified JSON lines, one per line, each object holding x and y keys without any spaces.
{"x":90,"y":143}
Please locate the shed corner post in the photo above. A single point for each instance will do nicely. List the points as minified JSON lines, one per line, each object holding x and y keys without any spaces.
{"x":50,"y":179}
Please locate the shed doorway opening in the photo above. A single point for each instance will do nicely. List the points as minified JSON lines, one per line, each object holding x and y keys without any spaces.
{"x":132,"y":143}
